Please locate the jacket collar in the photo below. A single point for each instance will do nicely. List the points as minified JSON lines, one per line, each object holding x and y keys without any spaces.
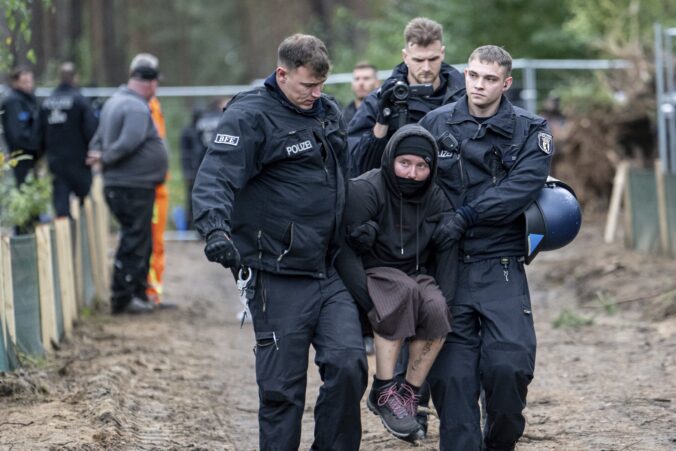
{"x":317,"y":110}
{"x":502,"y":122}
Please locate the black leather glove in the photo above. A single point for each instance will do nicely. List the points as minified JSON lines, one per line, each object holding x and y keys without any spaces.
{"x":450,"y":233}
{"x":385,"y":103}
{"x":362,"y":237}
{"x":221,"y":249}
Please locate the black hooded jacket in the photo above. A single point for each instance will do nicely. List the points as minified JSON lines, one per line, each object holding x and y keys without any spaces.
{"x":365,"y":149}
{"x":405,"y":224}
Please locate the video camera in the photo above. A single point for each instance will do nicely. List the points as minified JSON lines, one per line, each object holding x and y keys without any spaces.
{"x":401,"y":92}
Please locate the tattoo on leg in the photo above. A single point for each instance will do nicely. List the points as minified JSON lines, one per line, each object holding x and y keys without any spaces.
{"x":425,"y":350}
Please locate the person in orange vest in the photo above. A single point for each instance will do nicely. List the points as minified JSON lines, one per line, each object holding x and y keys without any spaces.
{"x":160,"y":210}
{"x":161,"y":207}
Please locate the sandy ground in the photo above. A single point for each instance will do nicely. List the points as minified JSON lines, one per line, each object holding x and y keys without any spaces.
{"x":184,"y":378}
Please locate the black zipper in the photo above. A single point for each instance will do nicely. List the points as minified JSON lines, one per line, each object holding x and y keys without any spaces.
{"x":288,"y":249}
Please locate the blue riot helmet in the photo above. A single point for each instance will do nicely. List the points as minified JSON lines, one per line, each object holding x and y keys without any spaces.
{"x":553,"y":219}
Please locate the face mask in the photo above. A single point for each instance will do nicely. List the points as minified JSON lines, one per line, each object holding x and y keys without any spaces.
{"x":408,"y":186}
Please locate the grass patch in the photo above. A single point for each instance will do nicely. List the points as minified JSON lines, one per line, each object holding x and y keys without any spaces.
{"x":571,"y":320}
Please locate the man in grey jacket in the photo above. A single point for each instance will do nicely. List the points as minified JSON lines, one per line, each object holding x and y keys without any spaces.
{"x":134,"y":160}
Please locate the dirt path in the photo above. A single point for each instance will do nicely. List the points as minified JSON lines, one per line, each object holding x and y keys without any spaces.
{"x":184,"y":378}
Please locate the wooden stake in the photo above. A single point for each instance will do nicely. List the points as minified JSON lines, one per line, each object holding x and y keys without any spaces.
{"x":48,"y":326}
{"x":7,"y":288}
{"x":619,"y":184}
{"x":64,"y":254}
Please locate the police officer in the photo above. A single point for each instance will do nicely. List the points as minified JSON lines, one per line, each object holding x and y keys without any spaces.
{"x":69,"y":123}
{"x":423,"y":55}
{"x":364,"y":81}
{"x":20,"y":122}
{"x":269,"y":197}
{"x":493,"y":160}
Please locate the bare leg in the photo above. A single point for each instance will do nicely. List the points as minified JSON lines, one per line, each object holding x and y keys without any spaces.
{"x":420,"y":359}
{"x":387,"y":352}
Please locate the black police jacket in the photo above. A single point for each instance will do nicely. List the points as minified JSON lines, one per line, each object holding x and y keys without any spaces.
{"x":21,"y":124}
{"x":365,"y":149}
{"x":272,"y":178}
{"x":69,"y":123}
{"x":496,"y":171}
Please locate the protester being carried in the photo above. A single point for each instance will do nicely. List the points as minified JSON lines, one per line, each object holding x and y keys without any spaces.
{"x":388,"y":264}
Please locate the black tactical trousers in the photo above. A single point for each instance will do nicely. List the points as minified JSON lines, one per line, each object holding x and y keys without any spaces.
{"x":492,"y":346}
{"x":65,"y":182}
{"x":290,"y":313}
{"x":133,"y":209}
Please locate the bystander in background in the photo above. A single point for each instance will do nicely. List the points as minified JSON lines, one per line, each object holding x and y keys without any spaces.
{"x":68,"y":123}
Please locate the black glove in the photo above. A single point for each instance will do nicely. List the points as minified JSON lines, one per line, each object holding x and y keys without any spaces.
{"x":221,"y":249}
{"x":450,"y":233}
{"x":385,"y":103}
{"x":362,"y":237}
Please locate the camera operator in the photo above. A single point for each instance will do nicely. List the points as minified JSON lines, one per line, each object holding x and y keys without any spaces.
{"x":404,"y":98}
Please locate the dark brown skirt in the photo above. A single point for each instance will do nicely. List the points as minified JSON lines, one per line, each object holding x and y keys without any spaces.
{"x":406,"y":306}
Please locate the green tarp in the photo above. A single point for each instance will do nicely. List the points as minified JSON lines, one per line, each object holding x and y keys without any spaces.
{"x":4,"y":361}
{"x":87,"y":274}
{"x":670,"y":192}
{"x":26,"y":294}
{"x":644,"y":223}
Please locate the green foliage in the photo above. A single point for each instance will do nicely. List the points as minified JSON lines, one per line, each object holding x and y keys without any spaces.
{"x":582,"y":95}
{"x":571,"y":320}
{"x":613,"y":25}
{"x":17,"y":17}
{"x":20,"y":206}
{"x":608,"y":305}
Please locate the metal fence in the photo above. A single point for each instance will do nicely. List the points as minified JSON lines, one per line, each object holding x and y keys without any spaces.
{"x":666,"y":96}
{"x":527,"y":92}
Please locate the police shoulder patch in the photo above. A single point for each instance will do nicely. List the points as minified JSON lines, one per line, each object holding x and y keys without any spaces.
{"x":226,"y":139}
{"x":545,"y":142}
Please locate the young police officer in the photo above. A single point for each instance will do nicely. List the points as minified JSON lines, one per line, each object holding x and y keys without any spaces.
{"x":269,"y":198}
{"x":493,"y":160}
{"x":423,"y":56}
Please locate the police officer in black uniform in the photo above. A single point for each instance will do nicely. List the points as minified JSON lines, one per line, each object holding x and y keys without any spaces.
{"x":20,"y":122}
{"x":375,"y":120}
{"x":493,"y":160}
{"x":68,"y":123}
{"x":269,"y":197}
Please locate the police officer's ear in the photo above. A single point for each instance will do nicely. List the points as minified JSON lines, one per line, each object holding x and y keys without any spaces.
{"x":281,"y":73}
{"x":507,"y":84}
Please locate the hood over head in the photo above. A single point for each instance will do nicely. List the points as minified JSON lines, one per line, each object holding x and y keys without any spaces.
{"x":410,"y":139}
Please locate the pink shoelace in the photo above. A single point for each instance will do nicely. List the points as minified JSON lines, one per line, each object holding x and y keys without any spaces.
{"x":410,"y":399}
{"x":394,"y":401}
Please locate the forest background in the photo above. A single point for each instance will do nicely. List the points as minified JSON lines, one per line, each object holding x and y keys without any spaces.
{"x":609,"y":115}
